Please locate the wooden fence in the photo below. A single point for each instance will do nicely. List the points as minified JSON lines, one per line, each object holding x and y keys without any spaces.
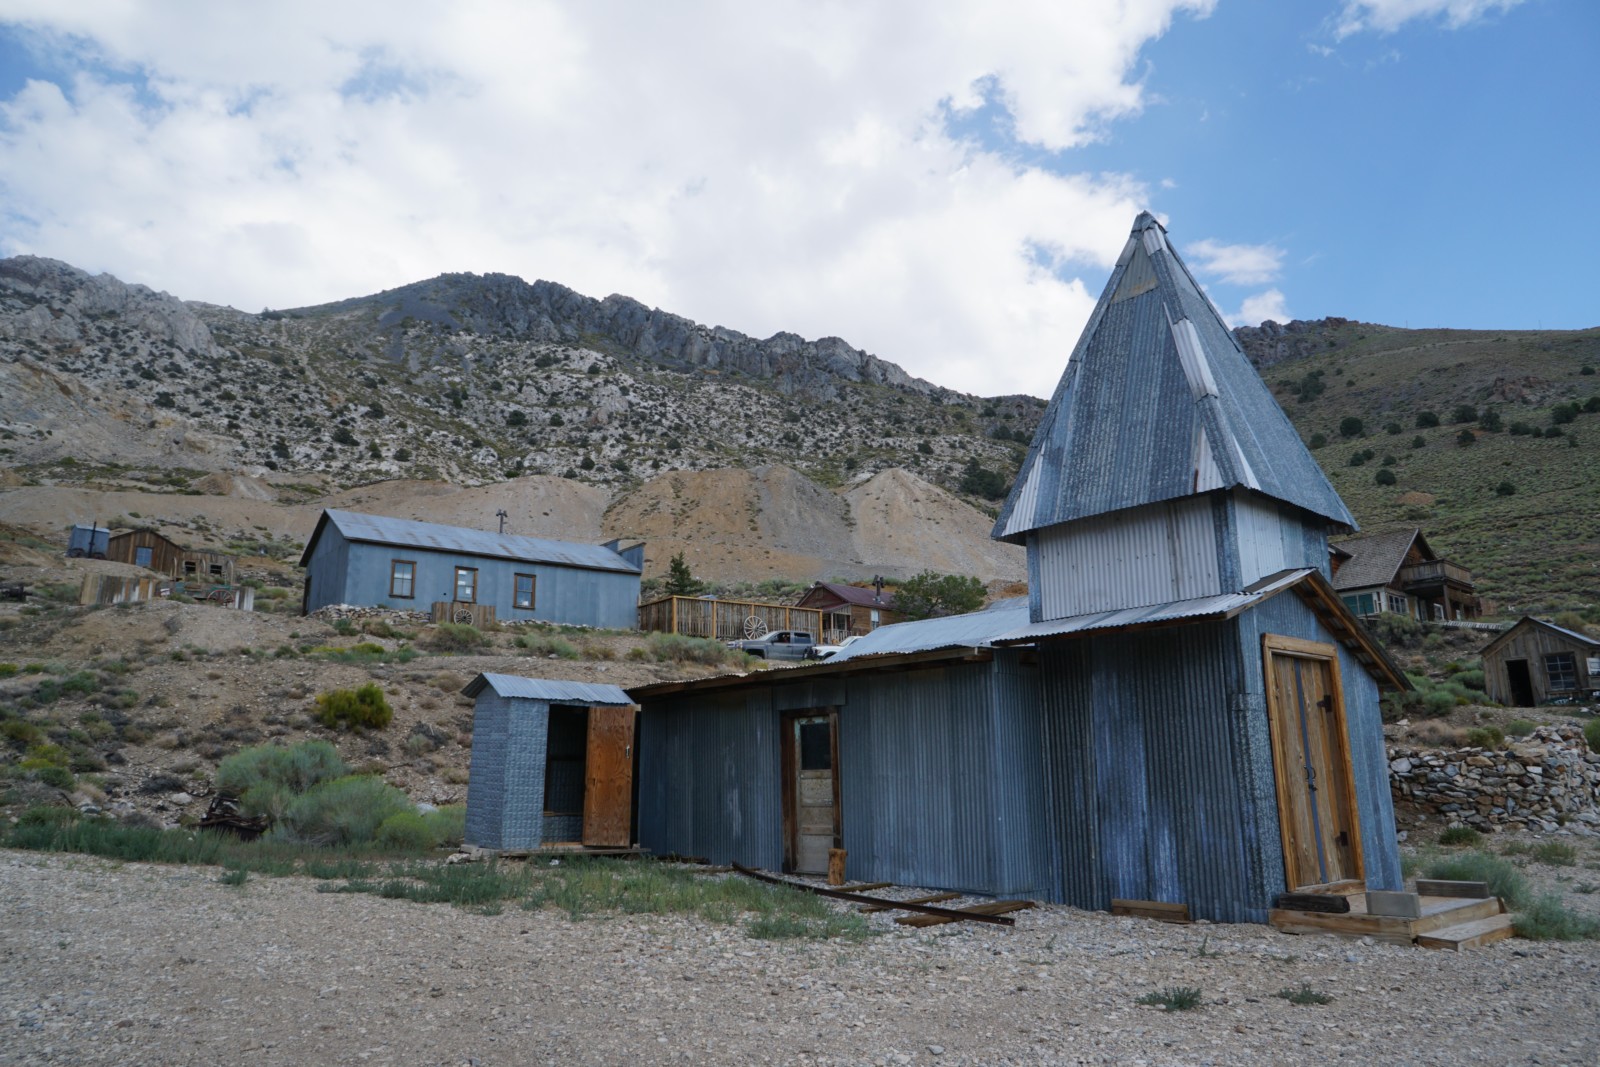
{"x":479,"y":615}
{"x":725,"y":620}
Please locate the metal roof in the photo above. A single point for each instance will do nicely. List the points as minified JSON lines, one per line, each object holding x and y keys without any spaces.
{"x":972,"y":630}
{"x":549,"y":690}
{"x":408,"y":533}
{"x":1158,"y":401}
{"x":1219,"y":605}
{"x":1505,"y":635}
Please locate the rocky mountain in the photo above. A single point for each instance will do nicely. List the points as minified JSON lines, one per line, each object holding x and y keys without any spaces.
{"x":465,"y":379}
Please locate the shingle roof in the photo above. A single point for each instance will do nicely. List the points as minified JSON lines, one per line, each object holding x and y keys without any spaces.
{"x":1373,"y":560}
{"x":863,"y":596}
{"x":1158,"y":401}
{"x":408,"y":533}
{"x":551,"y":691}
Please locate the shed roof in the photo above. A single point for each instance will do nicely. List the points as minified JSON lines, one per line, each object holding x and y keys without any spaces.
{"x":1529,"y":621}
{"x":862,"y":596}
{"x":973,"y":630}
{"x":1375,"y":560}
{"x":549,"y":690}
{"x":408,"y":533}
{"x":1158,"y":401}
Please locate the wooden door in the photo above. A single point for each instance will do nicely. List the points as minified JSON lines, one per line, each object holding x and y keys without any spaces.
{"x":811,"y":791}
{"x":608,"y":778}
{"x":1311,"y":758}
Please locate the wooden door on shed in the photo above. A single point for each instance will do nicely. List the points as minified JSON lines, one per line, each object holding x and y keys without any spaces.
{"x":608,"y":779}
{"x":811,"y":790}
{"x":1317,"y":809}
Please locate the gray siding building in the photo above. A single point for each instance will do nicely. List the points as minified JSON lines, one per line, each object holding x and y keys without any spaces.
{"x":1182,"y":710}
{"x":372,"y":560}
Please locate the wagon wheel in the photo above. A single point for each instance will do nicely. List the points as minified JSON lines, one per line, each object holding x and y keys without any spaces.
{"x":754,"y":627}
{"x":461,"y":615}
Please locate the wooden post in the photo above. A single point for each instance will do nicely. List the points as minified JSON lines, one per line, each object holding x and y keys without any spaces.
{"x":836,"y":866}
{"x":674,"y":601}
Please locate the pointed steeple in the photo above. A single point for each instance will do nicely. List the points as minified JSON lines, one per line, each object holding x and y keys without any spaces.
{"x":1159,"y":402}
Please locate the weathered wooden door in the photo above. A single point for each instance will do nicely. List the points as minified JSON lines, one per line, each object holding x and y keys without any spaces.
{"x":811,"y":800}
{"x":1311,"y":758}
{"x":608,"y":778}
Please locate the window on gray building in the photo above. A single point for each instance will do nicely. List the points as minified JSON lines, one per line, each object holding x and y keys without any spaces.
{"x":402,"y":579}
{"x":524,"y":592}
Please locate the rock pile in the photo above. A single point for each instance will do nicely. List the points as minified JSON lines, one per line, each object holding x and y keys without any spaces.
{"x":393,"y":616}
{"x":1548,"y":781}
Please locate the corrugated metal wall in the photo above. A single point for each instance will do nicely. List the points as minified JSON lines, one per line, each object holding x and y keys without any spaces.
{"x":709,"y":778}
{"x":1147,"y":555}
{"x":1273,"y":537}
{"x":505,"y":795}
{"x":1149,"y":750}
{"x":359,"y":573}
{"x":1289,"y":616}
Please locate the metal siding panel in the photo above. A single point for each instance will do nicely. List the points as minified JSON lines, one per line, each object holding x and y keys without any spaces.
{"x":1024,"y":855}
{"x":327,"y":570}
{"x":1148,"y":555}
{"x":1289,"y":616}
{"x":1073,"y":809}
{"x":505,"y":793}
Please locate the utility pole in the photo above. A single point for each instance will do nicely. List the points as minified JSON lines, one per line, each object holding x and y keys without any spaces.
{"x":502,"y":516}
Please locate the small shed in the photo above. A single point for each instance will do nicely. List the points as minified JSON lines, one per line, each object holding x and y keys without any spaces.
{"x":87,"y":541}
{"x":1537,"y":662}
{"x":463,"y":574}
{"x":154,"y":551}
{"x":552,"y":764}
{"x":850,"y":609}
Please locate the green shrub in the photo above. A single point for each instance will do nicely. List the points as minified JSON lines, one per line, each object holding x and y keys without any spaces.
{"x":1519,"y":728}
{"x":447,"y":824}
{"x":1173,"y":998}
{"x":455,"y":637}
{"x":20,"y":734}
{"x":1304,"y":995}
{"x":1472,"y":679}
{"x":8,"y":669}
{"x":344,"y":811}
{"x":680,"y":648}
{"x":405,"y":831}
{"x":1547,"y":919}
{"x":1505,"y":881}
{"x":1426,"y":420}
{"x":56,"y":778}
{"x":1591,"y":734}
{"x":266,"y":778}
{"x":1385,"y":476}
{"x":1485,"y":737}
{"x":355,"y":709}
{"x":1350,"y":426}
{"x":1461,"y":835}
{"x":547,"y":645}
{"x":1556,"y":854}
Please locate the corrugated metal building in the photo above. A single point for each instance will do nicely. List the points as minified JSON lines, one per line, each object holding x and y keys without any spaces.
{"x":552,"y":763}
{"x":1182,"y":711}
{"x":369,"y":560}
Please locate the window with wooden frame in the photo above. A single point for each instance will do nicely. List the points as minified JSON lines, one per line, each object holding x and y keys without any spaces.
{"x":523,"y":594}
{"x":402,"y":579}
{"x":1562,"y":670}
{"x":466,"y":585}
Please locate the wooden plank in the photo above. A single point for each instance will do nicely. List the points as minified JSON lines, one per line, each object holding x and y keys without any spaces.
{"x":1391,"y":931}
{"x":608,"y":779}
{"x":1160,"y":910}
{"x":1328,"y":903}
{"x":897,"y":905}
{"x":931,"y":898}
{"x":1438,"y":887}
{"x":1399,"y":905}
{"x":866,"y":887}
{"x":995,"y":908}
{"x":1473,"y":934}
{"x":1459,"y":911}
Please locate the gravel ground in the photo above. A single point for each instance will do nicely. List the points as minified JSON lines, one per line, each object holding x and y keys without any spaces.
{"x":108,"y":963}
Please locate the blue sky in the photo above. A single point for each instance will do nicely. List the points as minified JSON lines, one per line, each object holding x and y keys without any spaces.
{"x":941,"y":186}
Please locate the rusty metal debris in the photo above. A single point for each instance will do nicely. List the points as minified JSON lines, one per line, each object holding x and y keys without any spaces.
{"x":983,"y":913}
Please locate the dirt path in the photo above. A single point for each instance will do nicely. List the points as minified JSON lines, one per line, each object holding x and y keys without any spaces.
{"x":142,"y":964}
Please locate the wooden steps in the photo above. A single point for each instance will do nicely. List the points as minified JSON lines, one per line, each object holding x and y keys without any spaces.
{"x":1474,"y":934}
{"x":1440,"y":915}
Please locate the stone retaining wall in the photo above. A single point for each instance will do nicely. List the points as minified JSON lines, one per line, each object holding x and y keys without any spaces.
{"x":1548,"y":781}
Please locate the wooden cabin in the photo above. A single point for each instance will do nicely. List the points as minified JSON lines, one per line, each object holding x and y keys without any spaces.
{"x":1536,"y":662}
{"x":850,"y":609}
{"x":1398,"y":572}
{"x":148,"y":549}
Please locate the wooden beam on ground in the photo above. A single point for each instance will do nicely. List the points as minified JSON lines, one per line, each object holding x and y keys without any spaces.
{"x":977,"y":911}
{"x":896,"y":905}
{"x":1436,"y":887}
{"x":931,"y":898}
{"x":865,"y":886}
{"x":1159,"y":910}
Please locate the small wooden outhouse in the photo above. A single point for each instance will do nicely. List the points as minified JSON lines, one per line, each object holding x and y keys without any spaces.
{"x":1537,"y":662}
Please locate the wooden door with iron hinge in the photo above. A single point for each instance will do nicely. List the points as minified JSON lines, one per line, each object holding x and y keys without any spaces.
{"x":1317,"y":810}
{"x":608,"y":778}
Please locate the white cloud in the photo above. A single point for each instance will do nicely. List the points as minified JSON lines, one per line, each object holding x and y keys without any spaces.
{"x":1387,"y":16}
{"x":761,"y":167}
{"x":1259,"y":308}
{"x":1235,"y":264}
